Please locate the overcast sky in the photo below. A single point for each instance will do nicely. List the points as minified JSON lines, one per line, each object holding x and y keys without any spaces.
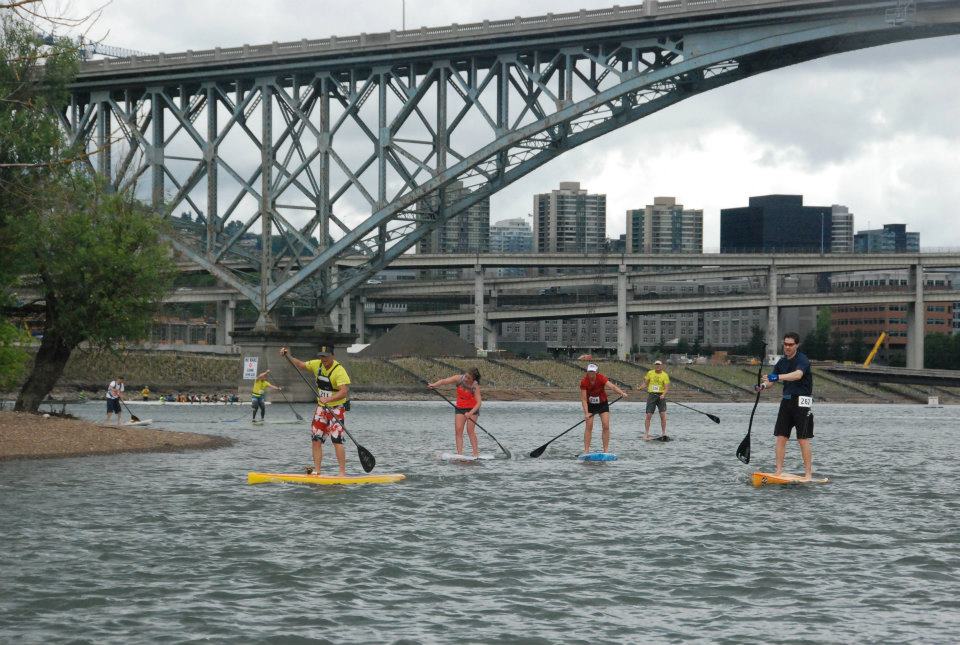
{"x":876,"y":130}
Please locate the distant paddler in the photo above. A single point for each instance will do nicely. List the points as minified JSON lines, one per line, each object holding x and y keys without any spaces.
{"x":333,"y":387}
{"x":593,"y":398}
{"x":258,"y":395}
{"x":793,"y":371}
{"x":467,"y":407}
{"x":656,"y":383}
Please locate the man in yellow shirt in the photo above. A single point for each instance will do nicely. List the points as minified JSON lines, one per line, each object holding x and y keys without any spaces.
{"x":333,"y":387}
{"x":656,"y":383}
{"x":258,"y":396}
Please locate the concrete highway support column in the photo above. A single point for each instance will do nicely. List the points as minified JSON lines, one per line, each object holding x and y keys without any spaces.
{"x":479,"y":315}
{"x":359,"y":318}
{"x":345,"y":322}
{"x":493,"y":335}
{"x":916,"y":319}
{"x":226,"y":312}
{"x":773,"y":334}
{"x":623,"y":338}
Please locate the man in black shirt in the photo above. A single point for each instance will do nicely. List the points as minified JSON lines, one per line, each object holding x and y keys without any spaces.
{"x":793,"y":370}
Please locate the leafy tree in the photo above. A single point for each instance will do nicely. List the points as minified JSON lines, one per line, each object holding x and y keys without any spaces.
{"x":837,"y":349}
{"x":683,"y":347}
{"x":102,"y":271}
{"x":12,"y":356}
{"x":857,"y":351}
{"x":696,"y":348}
{"x":757,"y":341}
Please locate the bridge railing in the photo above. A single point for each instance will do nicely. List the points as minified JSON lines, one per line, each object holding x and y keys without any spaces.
{"x":651,"y":9}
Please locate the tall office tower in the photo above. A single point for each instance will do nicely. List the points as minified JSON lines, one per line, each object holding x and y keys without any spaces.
{"x":511,"y":236}
{"x":892,"y":238}
{"x":776,"y":224}
{"x":841,"y":231}
{"x":468,"y":232}
{"x":569,"y":220}
{"x":664,"y":227}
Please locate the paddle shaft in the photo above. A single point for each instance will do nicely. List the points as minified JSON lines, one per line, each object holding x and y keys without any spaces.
{"x":299,"y":418}
{"x":712,"y":417}
{"x":133,"y":417}
{"x":539,"y":451}
{"x":360,"y":449}
{"x":453,"y":405}
{"x":743,"y":450}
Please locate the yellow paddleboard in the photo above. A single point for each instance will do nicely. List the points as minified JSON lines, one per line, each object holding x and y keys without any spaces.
{"x":767,"y":479}
{"x":290,"y":478}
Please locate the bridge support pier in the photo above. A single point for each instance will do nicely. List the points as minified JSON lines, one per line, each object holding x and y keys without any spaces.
{"x":916,"y":319}
{"x":345,"y":316}
{"x":358,"y":316}
{"x":479,"y":315}
{"x":773,"y":313}
{"x":226,"y":314}
{"x":623,"y":340}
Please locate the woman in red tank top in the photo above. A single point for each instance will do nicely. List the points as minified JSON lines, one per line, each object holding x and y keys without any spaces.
{"x":467,"y":406}
{"x":593,"y":398}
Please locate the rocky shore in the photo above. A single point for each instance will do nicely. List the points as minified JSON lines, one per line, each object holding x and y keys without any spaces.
{"x":31,"y":436}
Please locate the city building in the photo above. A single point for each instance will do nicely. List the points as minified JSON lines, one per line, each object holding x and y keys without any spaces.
{"x":468,"y":232}
{"x":841,"y":234}
{"x":664,"y":227}
{"x":569,"y":220}
{"x":511,"y":236}
{"x":780,"y":224}
{"x":892,"y":238}
{"x":871,"y":319}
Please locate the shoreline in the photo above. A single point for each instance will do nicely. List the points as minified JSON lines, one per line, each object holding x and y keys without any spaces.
{"x":31,"y":436}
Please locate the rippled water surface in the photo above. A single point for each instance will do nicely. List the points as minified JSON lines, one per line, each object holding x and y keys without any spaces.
{"x":669,"y":543}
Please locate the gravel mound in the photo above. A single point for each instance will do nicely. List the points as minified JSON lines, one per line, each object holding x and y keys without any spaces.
{"x":418,"y":340}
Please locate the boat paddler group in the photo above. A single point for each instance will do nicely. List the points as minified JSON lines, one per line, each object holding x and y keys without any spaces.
{"x":332,"y":388}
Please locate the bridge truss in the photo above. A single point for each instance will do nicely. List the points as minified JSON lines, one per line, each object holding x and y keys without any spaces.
{"x":289,"y":156}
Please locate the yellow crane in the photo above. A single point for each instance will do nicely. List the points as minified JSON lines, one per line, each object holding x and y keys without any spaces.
{"x":876,"y":348}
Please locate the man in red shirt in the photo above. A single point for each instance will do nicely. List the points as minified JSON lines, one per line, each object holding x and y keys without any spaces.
{"x":593,"y":397}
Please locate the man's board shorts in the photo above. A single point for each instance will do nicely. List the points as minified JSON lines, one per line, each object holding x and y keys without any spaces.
{"x":256,"y":401}
{"x":654,"y":402}
{"x":327,"y":422}
{"x":791,"y":416}
{"x":598,"y":408}
{"x":457,"y":411}
{"x":113,"y":405}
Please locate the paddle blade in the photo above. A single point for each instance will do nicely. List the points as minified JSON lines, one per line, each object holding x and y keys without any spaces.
{"x":134,"y":418}
{"x":367,"y":460}
{"x":506,"y":453}
{"x":714,"y":418}
{"x":743,"y":451}
{"x":539,"y":451}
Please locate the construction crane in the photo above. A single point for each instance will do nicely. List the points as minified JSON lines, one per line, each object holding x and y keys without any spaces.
{"x":876,"y":348}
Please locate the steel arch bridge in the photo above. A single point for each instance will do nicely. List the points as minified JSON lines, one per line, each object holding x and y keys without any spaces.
{"x":284,"y":141}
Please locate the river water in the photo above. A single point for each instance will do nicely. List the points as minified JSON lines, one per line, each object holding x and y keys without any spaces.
{"x":670,"y":543}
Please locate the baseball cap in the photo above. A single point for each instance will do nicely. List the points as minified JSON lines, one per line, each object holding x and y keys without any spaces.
{"x":658,"y":362}
{"x":325,"y":350}
{"x":592,"y":367}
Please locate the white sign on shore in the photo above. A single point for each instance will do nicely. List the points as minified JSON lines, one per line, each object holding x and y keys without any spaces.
{"x":250,"y":367}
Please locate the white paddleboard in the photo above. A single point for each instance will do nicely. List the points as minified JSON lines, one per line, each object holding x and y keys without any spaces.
{"x":452,"y":456}
{"x":141,"y":422}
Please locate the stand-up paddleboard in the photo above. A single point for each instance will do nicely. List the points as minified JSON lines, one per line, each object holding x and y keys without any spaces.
{"x":660,"y":438}
{"x":769,"y":479}
{"x":141,"y":422}
{"x":453,"y":456}
{"x":327,"y":480}
{"x":597,"y":456}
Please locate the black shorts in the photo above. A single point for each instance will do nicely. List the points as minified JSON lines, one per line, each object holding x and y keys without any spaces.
{"x":598,"y":408}
{"x":113,"y":405}
{"x":464,"y":411}
{"x":793,"y":416}
{"x":654,"y":402}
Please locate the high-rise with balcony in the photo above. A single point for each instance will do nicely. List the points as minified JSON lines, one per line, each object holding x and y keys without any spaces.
{"x":664,"y":227}
{"x":468,"y":232}
{"x":569,"y":220}
{"x":511,"y":236}
{"x":841,"y":230}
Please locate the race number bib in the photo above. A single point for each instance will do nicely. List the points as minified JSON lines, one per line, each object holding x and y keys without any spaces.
{"x":325,"y":392}
{"x":655,"y":388}
{"x":804,"y":401}
{"x":594,"y":399}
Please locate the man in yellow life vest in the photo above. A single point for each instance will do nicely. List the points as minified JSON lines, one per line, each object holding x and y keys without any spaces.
{"x":656,"y":383}
{"x":333,"y":388}
{"x":258,"y":396}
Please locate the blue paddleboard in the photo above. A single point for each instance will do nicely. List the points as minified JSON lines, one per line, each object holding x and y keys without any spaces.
{"x":597,"y":456}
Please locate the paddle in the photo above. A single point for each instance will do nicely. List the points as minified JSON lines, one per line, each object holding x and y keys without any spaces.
{"x":743,"y":450}
{"x":505,"y":451}
{"x":133,"y":418}
{"x":539,"y":451}
{"x":712,"y":417}
{"x":367,"y":460}
{"x":299,"y":418}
